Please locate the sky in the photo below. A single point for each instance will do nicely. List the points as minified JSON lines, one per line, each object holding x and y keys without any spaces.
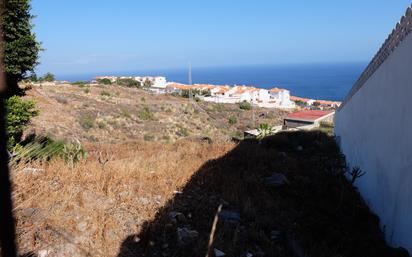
{"x":86,"y":36}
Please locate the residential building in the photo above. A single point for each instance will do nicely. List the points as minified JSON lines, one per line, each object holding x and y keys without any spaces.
{"x":307,"y":119}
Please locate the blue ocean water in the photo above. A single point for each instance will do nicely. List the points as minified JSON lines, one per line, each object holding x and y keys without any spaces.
{"x":317,"y":81}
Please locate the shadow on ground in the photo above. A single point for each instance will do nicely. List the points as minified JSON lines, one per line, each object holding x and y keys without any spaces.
{"x":283,"y":196}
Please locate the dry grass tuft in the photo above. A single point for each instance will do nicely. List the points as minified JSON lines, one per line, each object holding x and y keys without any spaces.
{"x":88,"y":210}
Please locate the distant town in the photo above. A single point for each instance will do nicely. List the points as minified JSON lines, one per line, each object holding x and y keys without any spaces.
{"x":266,"y":98}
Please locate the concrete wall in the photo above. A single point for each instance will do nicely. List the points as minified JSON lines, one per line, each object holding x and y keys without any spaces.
{"x":374,"y":128}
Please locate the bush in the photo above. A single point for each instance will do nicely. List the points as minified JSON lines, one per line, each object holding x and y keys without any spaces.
{"x":19,"y":114}
{"x":104,"y":81}
{"x":86,"y":121}
{"x":245,"y":105}
{"x":48,"y":77}
{"x":61,"y":99}
{"x":232,"y":120}
{"x":148,"y":137}
{"x":182,"y":131}
{"x":105,"y":93}
{"x":128,"y":83}
{"x":145,"y":114}
{"x":80,"y":83}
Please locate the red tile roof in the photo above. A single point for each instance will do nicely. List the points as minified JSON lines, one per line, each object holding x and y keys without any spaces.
{"x":310,"y":115}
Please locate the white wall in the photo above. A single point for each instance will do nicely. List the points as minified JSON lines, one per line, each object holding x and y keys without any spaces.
{"x":375,"y":133}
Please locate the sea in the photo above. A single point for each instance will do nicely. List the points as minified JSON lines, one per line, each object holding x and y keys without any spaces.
{"x":327,"y":81}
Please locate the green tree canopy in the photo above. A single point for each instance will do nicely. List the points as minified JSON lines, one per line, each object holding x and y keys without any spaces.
{"x":48,"y":77}
{"x":21,"y":48}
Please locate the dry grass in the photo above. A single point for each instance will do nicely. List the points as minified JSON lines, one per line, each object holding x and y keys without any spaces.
{"x":90,"y":209}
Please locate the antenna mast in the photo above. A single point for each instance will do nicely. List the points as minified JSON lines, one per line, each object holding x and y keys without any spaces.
{"x":190,"y":73}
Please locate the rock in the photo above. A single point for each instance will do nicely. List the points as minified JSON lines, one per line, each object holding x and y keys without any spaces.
{"x":218,"y":253}
{"x":82,"y":226}
{"x":28,"y":212}
{"x":177,"y":216}
{"x":32,"y":170}
{"x":186,"y":236}
{"x":231,"y":216}
{"x":277,"y":180}
{"x":144,"y":200}
{"x":249,"y":255}
{"x":43,"y":253}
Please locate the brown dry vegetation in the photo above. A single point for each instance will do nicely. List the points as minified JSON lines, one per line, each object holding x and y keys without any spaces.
{"x":117,"y":114}
{"x":123,"y":208}
{"x":89,"y":209}
{"x":119,"y":201}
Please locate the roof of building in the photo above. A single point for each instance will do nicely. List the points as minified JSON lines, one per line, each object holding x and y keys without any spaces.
{"x":308,"y":115}
{"x":325,"y":102}
{"x":276,"y":90}
{"x":296,"y":98}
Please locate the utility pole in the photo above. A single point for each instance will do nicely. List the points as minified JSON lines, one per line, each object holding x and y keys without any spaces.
{"x":190,"y":80}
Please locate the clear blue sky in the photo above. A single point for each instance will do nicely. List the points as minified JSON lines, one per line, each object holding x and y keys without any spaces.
{"x":82,"y":36}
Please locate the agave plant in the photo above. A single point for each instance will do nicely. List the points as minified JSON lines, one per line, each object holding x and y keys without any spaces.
{"x":265,"y":130}
{"x":73,"y":152}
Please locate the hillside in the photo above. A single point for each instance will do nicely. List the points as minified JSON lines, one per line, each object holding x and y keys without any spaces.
{"x":170,"y":194}
{"x":117,"y":114}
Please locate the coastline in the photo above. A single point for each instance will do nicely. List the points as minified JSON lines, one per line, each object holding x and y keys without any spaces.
{"x":314,"y":81}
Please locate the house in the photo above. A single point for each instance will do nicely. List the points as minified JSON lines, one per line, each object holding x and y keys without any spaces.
{"x":173,"y":87}
{"x":307,"y":119}
{"x":281,"y":97}
{"x":328,"y":104}
{"x":157,"y":82}
{"x":305,"y":101}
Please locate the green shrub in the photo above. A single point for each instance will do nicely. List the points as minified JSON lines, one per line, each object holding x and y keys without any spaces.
{"x":105,"y":93}
{"x":73,"y":152}
{"x":80,"y":83}
{"x":86,"y":121}
{"x":86,"y":91}
{"x":128,"y":83}
{"x":125,"y":113}
{"x":145,"y":114}
{"x":101,"y":124}
{"x":232,"y":120}
{"x":148,"y":137}
{"x":104,"y":81}
{"x":19,"y":114}
{"x":182,"y":131}
{"x":245,"y":105}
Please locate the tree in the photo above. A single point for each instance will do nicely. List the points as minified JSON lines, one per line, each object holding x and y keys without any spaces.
{"x":19,"y":114}
{"x":48,"y":77}
{"x":21,"y":48}
{"x":147,"y":83}
{"x":104,"y":81}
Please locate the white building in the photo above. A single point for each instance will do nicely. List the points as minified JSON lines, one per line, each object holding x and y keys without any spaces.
{"x":281,"y":97}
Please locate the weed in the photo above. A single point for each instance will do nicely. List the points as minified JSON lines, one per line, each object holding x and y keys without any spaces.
{"x":61,"y":99}
{"x":145,"y":114}
{"x":245,"y":105}
{"x":86,"y":121}
{"x":148,"y":137}
{"x":125,"y":113}
{"x":232,"y":120}
{"x":106,"y":93}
